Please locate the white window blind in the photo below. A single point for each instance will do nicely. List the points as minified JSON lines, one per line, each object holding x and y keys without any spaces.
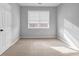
{"x":38,"y":19}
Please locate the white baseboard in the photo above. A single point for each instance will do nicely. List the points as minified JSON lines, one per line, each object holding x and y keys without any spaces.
{"x":54,"y":37}
{"x":63,"y":39}
{"x":10,"y":45}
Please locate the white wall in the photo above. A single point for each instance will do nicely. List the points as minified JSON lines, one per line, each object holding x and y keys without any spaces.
{"x":38,"y":33}
{"x":15,"y":21}
{"x":68,"y":24}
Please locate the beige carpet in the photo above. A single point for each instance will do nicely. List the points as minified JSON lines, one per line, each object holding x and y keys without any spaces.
{"x":40,"y":47}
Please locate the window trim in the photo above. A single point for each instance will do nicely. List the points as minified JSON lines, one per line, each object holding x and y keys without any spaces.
{"x":38,"y":23}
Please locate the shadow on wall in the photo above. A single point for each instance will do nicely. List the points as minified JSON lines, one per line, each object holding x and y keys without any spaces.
{"x":71,"y":34}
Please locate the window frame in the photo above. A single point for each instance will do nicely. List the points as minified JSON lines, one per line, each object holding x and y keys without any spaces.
{"x":48,"y":23}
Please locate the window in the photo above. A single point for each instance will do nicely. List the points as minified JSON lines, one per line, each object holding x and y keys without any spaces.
{"x":38,"y":19}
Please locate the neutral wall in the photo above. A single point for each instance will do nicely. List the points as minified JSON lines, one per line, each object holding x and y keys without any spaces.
{"x":68,"y":24}
{"x":38,"y":33}
{"x":15,"y":10}
{"x":60,"y":21}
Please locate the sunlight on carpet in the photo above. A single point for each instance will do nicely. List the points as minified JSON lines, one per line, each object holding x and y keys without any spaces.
{"x":64,"y":49}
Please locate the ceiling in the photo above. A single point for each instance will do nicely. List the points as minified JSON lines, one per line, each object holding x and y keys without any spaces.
{"x":39,"y":4}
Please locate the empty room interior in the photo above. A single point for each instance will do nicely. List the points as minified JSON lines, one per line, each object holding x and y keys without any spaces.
{"x":39,"y":29}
